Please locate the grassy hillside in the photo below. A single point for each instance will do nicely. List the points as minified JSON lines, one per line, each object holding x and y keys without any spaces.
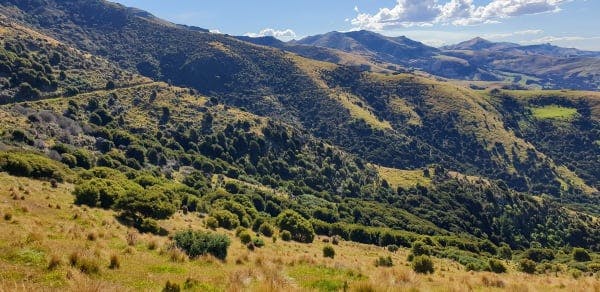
{"x":42,"y":232}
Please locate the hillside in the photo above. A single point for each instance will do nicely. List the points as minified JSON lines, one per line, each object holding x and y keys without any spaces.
{"x":207,"y":132}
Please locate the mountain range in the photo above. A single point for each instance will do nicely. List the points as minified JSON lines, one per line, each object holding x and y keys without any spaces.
{"x":358,"y":136}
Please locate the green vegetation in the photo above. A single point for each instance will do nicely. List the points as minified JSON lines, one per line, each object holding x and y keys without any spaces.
{"x":423,"y":264}
{"x":328,"y":251}
{"x":554,"y":112}
{"x":198,"y":243}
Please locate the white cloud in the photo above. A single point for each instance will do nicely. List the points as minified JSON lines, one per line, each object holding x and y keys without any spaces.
{"x":356,"y":9}
{"x":408,"y":13}
{"x":286,"y":34}
{"x":215,"y":31}
{"x":513,"y":34}
{"x":555,"y":39}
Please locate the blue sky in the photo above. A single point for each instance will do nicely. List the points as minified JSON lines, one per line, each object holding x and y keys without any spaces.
{"x":569,"y":23}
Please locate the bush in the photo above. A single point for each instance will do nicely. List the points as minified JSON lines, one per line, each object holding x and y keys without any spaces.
{"x":581,"y":255}
{"x":423,"y":264}
{"x":245,"y":237}
{"x":151,"y":203}
{"x":54,"y":262}
{"x":226,"y":219}
{"x":31,"y":165}
{"x":419,"y":248}
{"x":197,"y":243}
{"x":171,"y":287}
{"x":539,"y":254}
{"x":496,"y":266}
{"x":527,"y":266}
{"x":594,"y":267}
{"x":504,"y":252}
{"x":266,"y":229}
{"x":300,"y":228}
{"x":392,"y":248}
{"x":328,"y":251}
{"x":384,"y":262}
{"x":212,"y":223}
{"x":258,"y":242}
{"x":286,"y":235}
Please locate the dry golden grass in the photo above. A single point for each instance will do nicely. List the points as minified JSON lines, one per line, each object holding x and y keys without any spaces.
{"x":35,"y":249}
{"x":403,"y":178}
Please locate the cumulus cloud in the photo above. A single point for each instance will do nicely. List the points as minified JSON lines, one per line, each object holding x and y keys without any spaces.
{"x":408,"y":13}
{"x":553,"y":39}
{"x":215,"y":31}
{"x":285,"y":34}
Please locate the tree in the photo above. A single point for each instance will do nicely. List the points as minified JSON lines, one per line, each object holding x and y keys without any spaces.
{"x":300,"y":228}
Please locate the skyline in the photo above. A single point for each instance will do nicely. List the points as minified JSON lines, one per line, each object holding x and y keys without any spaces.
{"x":566,"y":23}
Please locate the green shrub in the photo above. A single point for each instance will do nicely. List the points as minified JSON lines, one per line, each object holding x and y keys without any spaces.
{"x":420,"y":248}
{"x":496,"y":266}
{"x":114,"y":262}
{"x":384,"y":262}
{"x":328,"y":251}
{"x":212,"y":223}
{"x":266,"y":229}
{"x":527,"y":266}
{"x":392,"y":248}
{"x":197,"y":243}
{"x":539,"y":254}
{"x":171,"y":287}
{"x":300,"y":228}
{"x":423,"y":264}
{"x":226,"y":219}
{"x":245,"y":237}
{"x":505,"y":252}
{"x":285,"y":235}
{"x":581,"y":255}
{"x":31,"y":165}
{"x":258,"y":242}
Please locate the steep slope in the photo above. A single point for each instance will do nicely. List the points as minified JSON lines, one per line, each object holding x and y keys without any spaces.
{"x":167,"y":147}
{"x":292,"y":89}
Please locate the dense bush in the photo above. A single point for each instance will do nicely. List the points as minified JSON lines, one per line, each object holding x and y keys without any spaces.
{"x":266,"y":229}
{"x":420,"y":248}
{"x":505,"y":252}
{"x":384,"y":262}
{"x":496,"y":266}
{"x":226,"y":219}
{"x":31,"y":165}
{"x":197,"y":243}
{"x":285,"y":235}
{"x":423,"y":264}
{"x":539,"y":254}
{"x":300,"y":228}
{"x":527,"y":266}
{"x":581,"y":255}
{"x":245,"y":237}
{"x":392,"y":248}
{"x":328,"y":251}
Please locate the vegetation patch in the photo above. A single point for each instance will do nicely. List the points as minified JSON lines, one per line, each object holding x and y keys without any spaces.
{"x":554,"y":112}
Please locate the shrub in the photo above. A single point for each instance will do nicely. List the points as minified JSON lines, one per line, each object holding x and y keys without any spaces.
{"x":171,"y":287}
{"x":328,"y":251}
{"x":286,"y":235}
{"x":114,"y":262}
{"x":197,"y":243}
{"x":300,"y":228}
{"x":423,"y":264}
{"x":149,"y":225}
{"x":504,"y":252}
{"x":496,"y":266}
{"x":245,"y":237}
{"x":31,"y":165}
{"x":539,"y":254}
{"x":212,"y":223}
{"x":594,"y":267}
{"x":226,"y":219}
{"x":419,"y":248}
{"x":384,"y":262}
{"x":527,"y":266}
{"x":581,"y":255}
{"x":258,"y":242}
{"x":392,"y":248}
{"x":152,"y":203}
{"x":335,"y":240}
{"x":7,"y":216}
{"x":266,"y":229}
